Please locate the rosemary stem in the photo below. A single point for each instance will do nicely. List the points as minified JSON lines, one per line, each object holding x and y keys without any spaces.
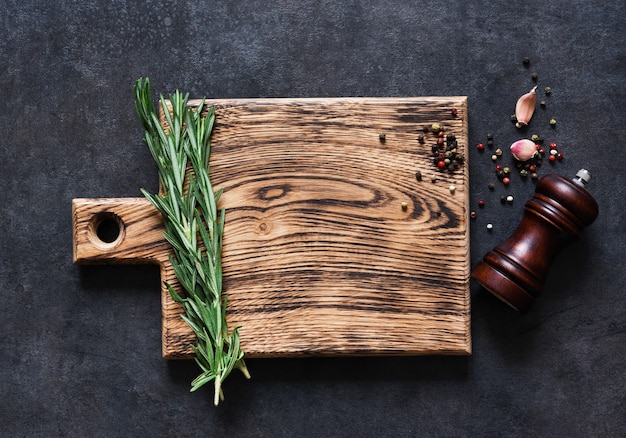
{"x":188,"y":205}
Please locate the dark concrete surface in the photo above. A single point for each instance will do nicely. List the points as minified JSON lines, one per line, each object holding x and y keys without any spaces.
{"x":80,"y":346}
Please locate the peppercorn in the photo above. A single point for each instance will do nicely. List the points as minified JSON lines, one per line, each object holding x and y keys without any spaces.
{"x":425,"y":128}
{"x":418,"y":175}
{"x":489,"y":227}
{"x":552,"y":158}
{"x":553,"y":146}
{"x":433,"y":178}
{"x":490,"y":143}
{"x":494,"y":157}
{"x":534,"y":137}
{"x":454,"y":112}
{"x":498,"y":167}
{"x":502,"y":199}
{"x":506,"y":180}
{"x":534,"y":175}
{"x":523,"y":173}
{"x":526,"y":62}
{"x":542,"y":104}
{"x":490,"y":136}
{"x":532,"y":168}
{"x":506,"y":170}
{"x":382,"y":137}
{"x":435,"y":127}
{"x":548,"y":91}
{"x":452,"y":189}
{"x":553,"y":152}
{"x":481,"y":203}
{"x":513,"y":118}
{"x":535,"y":76}
{"x":559,"y":156}
{"x":473,"y":214}
{"x":420,"y":138}
{"x":441,"y":164}
{"x":405,"y":206}
{"x":552,"y":122}
{"x":498,"y":152}
{"x":491,"y":186}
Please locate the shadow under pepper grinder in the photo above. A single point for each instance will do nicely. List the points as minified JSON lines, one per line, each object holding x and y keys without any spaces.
{"x":515,"y":270}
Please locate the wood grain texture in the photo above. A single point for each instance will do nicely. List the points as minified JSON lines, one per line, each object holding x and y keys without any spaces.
{"x":319,"y":256}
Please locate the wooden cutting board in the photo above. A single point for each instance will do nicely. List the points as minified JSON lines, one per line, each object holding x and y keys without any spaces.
{"x":321,"y":256}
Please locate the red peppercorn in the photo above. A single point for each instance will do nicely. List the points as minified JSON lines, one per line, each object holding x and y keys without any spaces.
{"x":506,"y":181}
{"x":481,"y":203}
{"x":537,"y":146}
{"x":552,"y":145}
{"x":480,"y":147}
{"x":542,"y":151}
{"x":532,"y":167}
{"x":559,"y":156}
{"x":498,"y":167}
{"x":552,"y":158}
{"x":473,"y":215}
{"x":454,"y":112}
{"x":441,"y":164}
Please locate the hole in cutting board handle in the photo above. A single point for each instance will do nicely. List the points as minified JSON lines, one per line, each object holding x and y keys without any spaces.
{"x":106,"y":230}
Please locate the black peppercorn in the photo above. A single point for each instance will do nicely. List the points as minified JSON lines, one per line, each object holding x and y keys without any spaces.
{"x":382,"y":137}
{"x":418,"y":175}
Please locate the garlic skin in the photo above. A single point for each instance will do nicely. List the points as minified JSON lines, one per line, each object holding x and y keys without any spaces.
{"x":523,"y":150}
{"x":525,"y":107}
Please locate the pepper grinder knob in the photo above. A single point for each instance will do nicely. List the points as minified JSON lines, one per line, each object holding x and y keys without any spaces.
{"x":515,"y":270}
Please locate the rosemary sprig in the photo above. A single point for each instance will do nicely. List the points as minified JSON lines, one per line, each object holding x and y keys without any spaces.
{"x":188,"y":205}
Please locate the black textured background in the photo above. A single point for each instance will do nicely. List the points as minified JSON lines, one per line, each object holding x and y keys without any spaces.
{"x":80,"y":346}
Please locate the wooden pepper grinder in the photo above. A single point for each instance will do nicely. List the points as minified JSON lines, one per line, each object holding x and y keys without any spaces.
{"x":516,"y":269}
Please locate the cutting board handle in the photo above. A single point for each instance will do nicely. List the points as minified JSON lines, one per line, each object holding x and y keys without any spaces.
{"x":117,"y":230}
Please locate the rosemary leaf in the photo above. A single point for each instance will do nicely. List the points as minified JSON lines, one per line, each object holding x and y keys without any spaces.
{"x":193,"y":227}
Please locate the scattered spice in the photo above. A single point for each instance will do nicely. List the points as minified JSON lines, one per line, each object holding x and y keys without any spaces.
{"x":405,"y":206}
{"x":491,"y":186}
{"x":526,"y":61}
{"x":490,"y":226}
{"x":454,"y":112}
{"x":534,"y":77}
{"x":552,"y":122}
{"x":548,"y":91}
{"x":420,"y":138}
{"x":473,"y":215}
{"x":481,"y":203}
{"x":382,"y":137}
{"x":452,"y":189}
{"x":418,"y":175}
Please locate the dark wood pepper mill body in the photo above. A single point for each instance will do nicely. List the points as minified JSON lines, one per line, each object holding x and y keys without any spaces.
{"x":516,"y":269}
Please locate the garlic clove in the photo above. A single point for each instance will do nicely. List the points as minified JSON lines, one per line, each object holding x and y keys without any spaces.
{"x":525,"y":107}
{"x":523,"y":150}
